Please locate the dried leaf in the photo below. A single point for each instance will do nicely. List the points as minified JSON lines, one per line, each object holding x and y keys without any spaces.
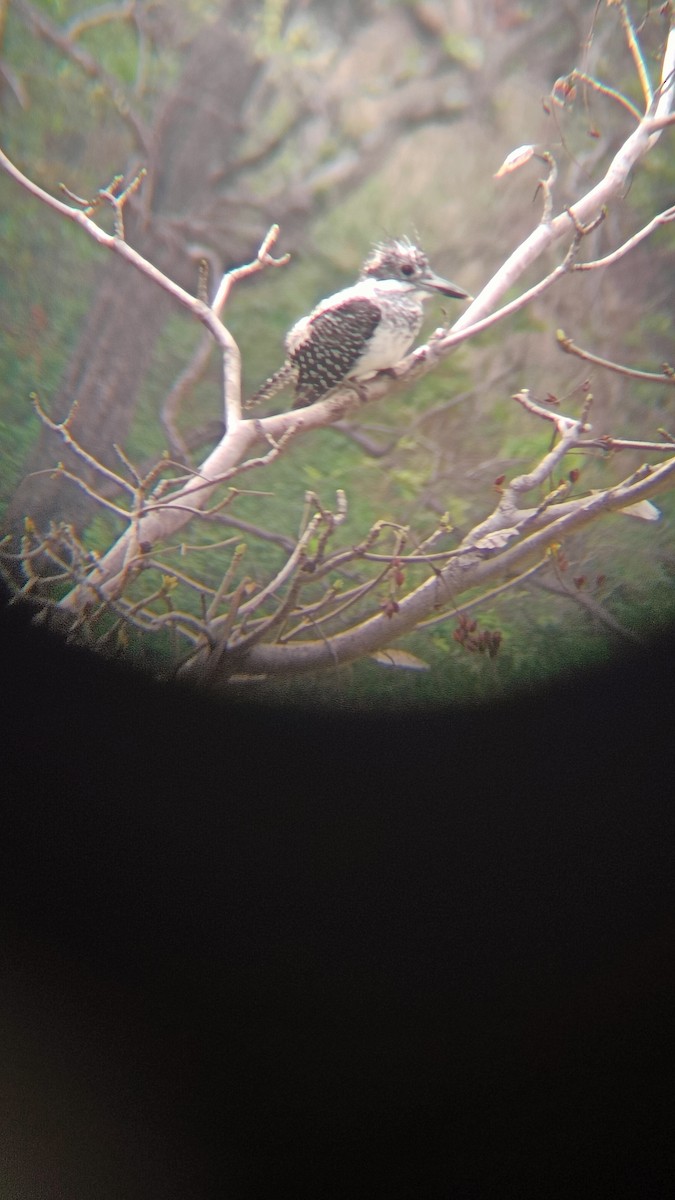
{"x":495,"y":541}
{"x":514,"y":160}
{"x":644,"y":510}
{"x":399,"y":658}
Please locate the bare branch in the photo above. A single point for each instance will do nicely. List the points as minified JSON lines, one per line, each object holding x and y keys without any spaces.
{"x":635,"y":50}
{"x":568,"y":346}
{"x":103,"y":14}
{"x":591,"y":605}
{"x":459,"y":576}
{"x":102,"y":501}
{"x":663,"y":218}
{"x":238,"y":438}
{"x":225,"y":582}
{"x":611,"y":444}
{"x":588,"y":207}
{"x":486,"y":597}
{"x":232,"y":357}
{"x":512,"y":540}
{"x":64,"y":41}
{"x":62,"y":429}
{"x":292,"y":565}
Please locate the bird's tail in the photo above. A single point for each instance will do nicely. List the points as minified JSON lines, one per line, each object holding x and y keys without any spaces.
{"x":282,"y":378}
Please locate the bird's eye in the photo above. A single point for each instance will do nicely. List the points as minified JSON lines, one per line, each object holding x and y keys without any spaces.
{"x":407,"y":269}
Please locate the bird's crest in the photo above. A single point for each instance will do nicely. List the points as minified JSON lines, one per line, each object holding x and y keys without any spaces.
{"x":395,"y":258}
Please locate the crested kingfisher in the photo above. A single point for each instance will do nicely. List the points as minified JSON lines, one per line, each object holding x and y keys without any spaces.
{"x":362,"y":329}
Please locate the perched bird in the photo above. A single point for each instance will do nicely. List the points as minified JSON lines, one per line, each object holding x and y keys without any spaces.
{"x":362,"y":329}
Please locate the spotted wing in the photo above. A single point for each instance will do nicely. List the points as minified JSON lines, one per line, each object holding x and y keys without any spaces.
{"x":334,"y":341}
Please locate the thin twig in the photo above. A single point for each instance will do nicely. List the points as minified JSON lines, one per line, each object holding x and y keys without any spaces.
{"x":225,"y":582}
{"x":662,"y":218}
{"x":87,"y":63}
{"x":63,"y":431}
{"x":569,"y":347}
{"x":59,"y":469}
{"x":485,"y":597}
{"x":636,"y":52}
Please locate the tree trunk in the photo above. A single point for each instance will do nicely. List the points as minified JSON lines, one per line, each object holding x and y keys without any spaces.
{"x":215,"y":140}
{"x":196,"y":130}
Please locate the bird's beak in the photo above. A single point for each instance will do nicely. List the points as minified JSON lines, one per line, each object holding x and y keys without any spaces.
{"x":434,"y":283}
